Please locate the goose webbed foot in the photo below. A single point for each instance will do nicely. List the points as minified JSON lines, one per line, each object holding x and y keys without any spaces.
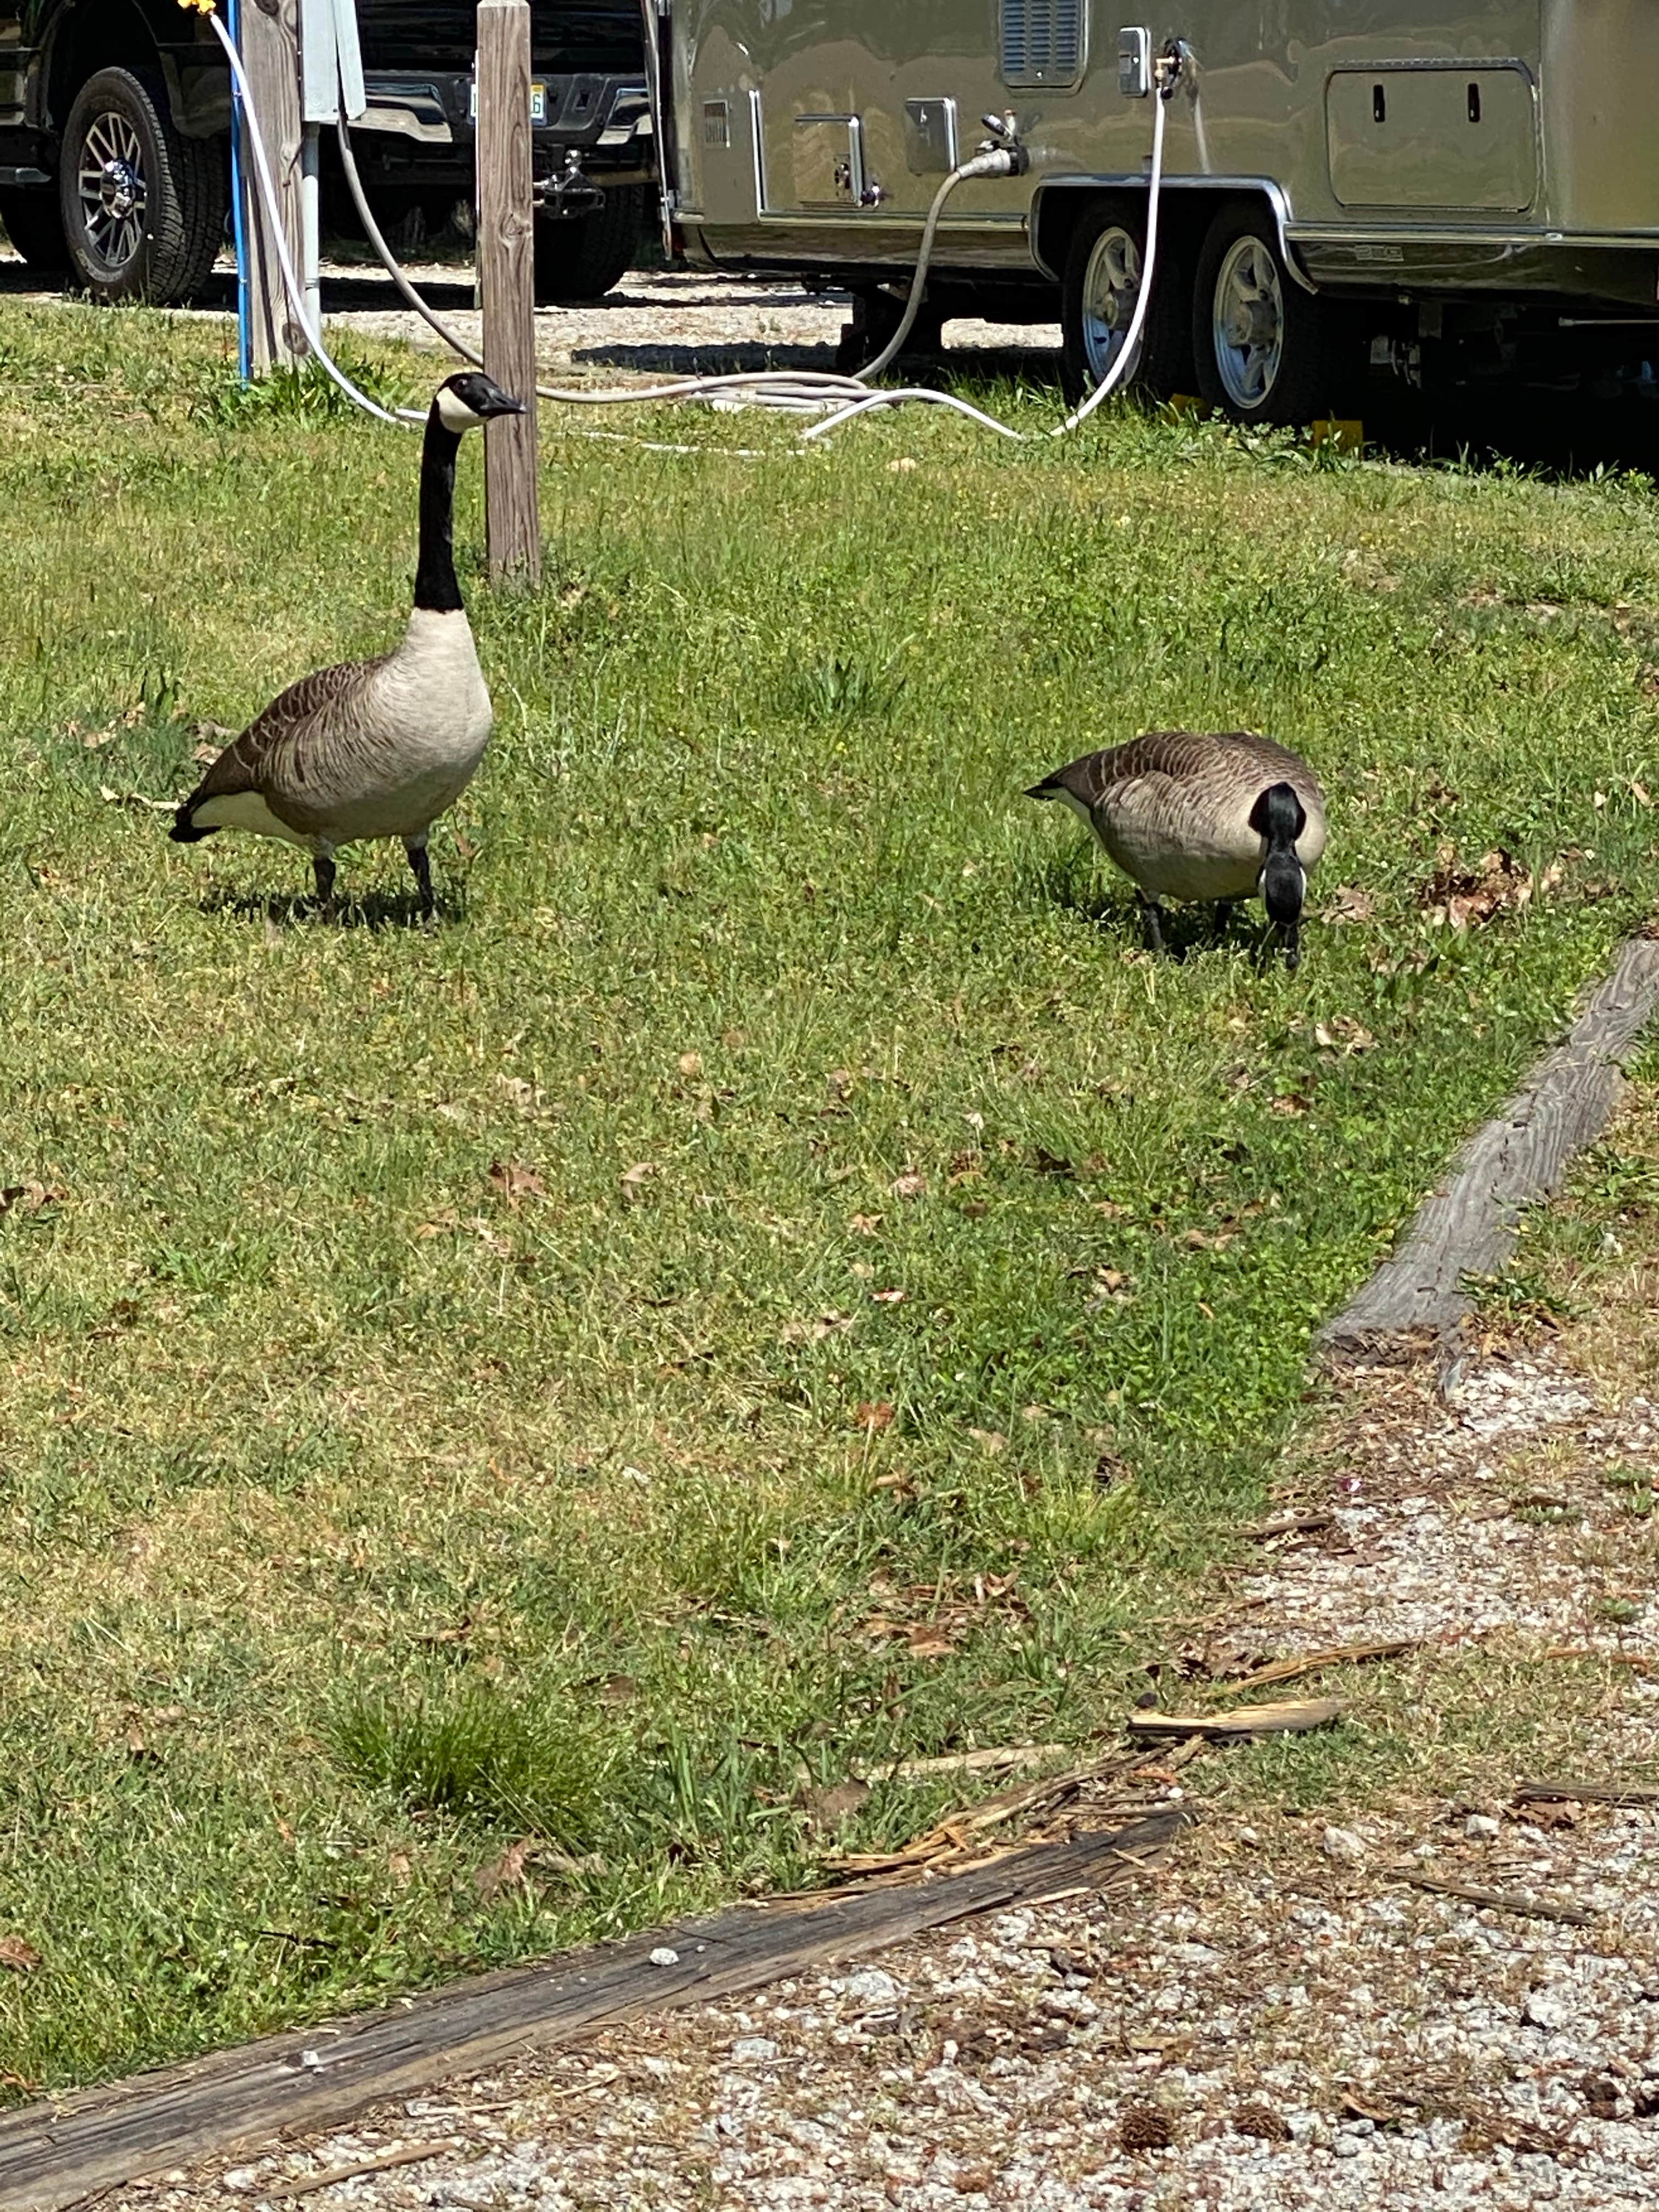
{"x":422,"y":867}
{"x":1152,"y":921}
{"x":322,"y":865}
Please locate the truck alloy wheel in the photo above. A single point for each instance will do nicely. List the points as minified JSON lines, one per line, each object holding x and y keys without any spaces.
{"x":143,"y":209}
{"x":1264,"y":349}
{"x":1102,"y":286}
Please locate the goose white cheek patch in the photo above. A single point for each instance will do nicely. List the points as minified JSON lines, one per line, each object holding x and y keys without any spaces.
{"x":454,"y":413}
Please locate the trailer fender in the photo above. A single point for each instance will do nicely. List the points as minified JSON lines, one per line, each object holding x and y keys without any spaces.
{"x":1189,"y":206}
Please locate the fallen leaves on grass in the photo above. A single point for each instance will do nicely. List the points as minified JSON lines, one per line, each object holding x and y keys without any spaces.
{"x":827,"y":1805}
{"x":1342,"y":1033}
{"x":1463,"y":898}
{"x":17,"y":1955}
{"x":635,"y":1178}
{"x":506,"y":1872}
{"x":864,"y":1224}
{"x":816,"y":1330}
{"x":873,"y":1416}
{"x":516,"y":1183}
{"x":1348,"y":903}
{"x":910,"y":1184}
{"x":30,"y":1197}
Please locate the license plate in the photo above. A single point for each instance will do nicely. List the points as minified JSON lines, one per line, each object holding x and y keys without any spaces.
{"x":538,"y":103}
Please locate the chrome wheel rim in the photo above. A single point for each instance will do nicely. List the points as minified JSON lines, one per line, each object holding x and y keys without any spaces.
{"x":1247,"y":322}
{"x":1111,"y":285}
{"x":110,"y":179}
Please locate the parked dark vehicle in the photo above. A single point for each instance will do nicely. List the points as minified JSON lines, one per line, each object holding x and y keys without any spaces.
{"x":114,"y":137}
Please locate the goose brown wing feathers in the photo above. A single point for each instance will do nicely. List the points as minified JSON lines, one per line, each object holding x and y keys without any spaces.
{"x":1175,"y":754}
{"x":284,"y":728}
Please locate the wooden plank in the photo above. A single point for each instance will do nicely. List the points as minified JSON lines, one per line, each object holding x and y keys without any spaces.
{"x":1287,"y":1718}
{"x":1584,"y":1793}
{"x":1467,"y":1228}
{"x":270,"y":54}
{"x":506,"y":286}
{"x":51,"y":2155}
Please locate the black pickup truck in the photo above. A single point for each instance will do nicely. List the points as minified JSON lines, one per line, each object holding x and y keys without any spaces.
{"x":115,"y":119}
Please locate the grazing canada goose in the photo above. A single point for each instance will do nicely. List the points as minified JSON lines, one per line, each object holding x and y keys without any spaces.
{"x":1220,"y":817}
{"x":372,"y":748}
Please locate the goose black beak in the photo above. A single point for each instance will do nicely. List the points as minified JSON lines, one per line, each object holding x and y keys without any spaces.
{"x":501,"y":402}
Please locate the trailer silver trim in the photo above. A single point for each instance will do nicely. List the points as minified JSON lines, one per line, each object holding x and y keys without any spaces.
{"x":1135,"y":181}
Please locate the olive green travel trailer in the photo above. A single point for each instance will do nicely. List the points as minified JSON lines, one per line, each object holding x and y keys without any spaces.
{"x":1344,"y":179}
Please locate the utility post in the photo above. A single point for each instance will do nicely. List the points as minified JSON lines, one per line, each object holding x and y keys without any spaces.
{"x":506,"y":286}
{"x":269,"y":40}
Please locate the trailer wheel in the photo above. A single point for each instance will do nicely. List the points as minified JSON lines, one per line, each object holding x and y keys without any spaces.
{"x":583,"y":255}
{"x":35,"y":229}
{"x":1099,"y":295}
{"x":143,"y":209}
{"x":1265,"y":350}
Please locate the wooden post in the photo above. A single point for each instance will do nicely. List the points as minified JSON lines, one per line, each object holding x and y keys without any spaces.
{"x":506,"y":285}
{"x":271,"y":55}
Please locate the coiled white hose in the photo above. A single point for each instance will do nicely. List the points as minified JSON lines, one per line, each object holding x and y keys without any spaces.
{"x":798,"y":391}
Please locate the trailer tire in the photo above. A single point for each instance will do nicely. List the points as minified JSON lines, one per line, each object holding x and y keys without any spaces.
{"x":35,"y":229}
{"x":1099,"y":292}
{"x":582,"y":257}
{"x":143,"y":209}
{"x":1265,"y":351}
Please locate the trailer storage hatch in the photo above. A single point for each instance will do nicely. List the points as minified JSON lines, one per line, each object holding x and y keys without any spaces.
{"x":1445,"y":135}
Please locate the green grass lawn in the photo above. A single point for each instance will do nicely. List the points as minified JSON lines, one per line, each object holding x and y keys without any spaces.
{"x":448,"y":1374}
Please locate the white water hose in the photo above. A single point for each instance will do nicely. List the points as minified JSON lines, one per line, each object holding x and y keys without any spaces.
{"x":792,"y":391}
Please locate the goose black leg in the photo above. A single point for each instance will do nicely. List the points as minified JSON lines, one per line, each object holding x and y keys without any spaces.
{"x":322,"y":865}
{"x":1292,"y":935}
{"x":1152,"y":921}
{"x":1225,"y":909}
{"x":423,"y":868}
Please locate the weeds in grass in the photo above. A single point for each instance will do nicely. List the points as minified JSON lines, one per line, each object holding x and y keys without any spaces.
{"x":477,"y":1755}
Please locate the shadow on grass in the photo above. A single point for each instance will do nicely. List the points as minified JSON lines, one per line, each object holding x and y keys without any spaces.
{"x":374,"y":910}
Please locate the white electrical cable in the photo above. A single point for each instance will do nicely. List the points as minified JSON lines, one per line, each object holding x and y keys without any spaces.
{"x":1115,"y":374}
{"x":274,"y":216}
{"x":791,"y":391}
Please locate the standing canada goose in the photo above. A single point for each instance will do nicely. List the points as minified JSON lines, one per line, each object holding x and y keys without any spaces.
{"x":372,"y":748}
{"x":1219,"y":817}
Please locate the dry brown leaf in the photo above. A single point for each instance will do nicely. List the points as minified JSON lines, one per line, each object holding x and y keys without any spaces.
{"x":506,"y":1872}
{"x":516,"y":1183}
{"x":864,"y":1224}
{"x":29,"y":1198}
{"x":870,"y":1417}
{"x":889,"y":1298}
{"x":990,"y":1440}
{"x":827,"y":1805}
{"x":635,"y":1178}
{"x":910,"y":1184}
{"x":691,"y":1064}
{"x":1292,"y":1104}
{"x":815,"y":1331}
{"x":1349,"y":904}
{"x":21,"y":1957}
{"x":928,"y":1640}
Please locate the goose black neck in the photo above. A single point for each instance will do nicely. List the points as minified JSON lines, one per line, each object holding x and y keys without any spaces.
{"x":436,"y":587}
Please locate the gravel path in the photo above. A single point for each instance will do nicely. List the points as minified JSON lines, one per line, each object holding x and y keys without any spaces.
{"x":657,"y":321}
{"x":1276,"y":2018}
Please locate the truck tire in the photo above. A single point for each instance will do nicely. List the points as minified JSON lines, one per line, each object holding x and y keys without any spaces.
{"x":143,"y":209}
{"x":35,"y":229}
{"x":1265,"y":351}
{"x":1101,"y":287}
{"x":580,"y":259}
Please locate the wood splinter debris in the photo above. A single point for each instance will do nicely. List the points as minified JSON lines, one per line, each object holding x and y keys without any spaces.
{"x":410,"y":2154}
{"x":1288,"y":1717}
{"x":1584,"y":1793}
{"x":1503,"y":1900}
